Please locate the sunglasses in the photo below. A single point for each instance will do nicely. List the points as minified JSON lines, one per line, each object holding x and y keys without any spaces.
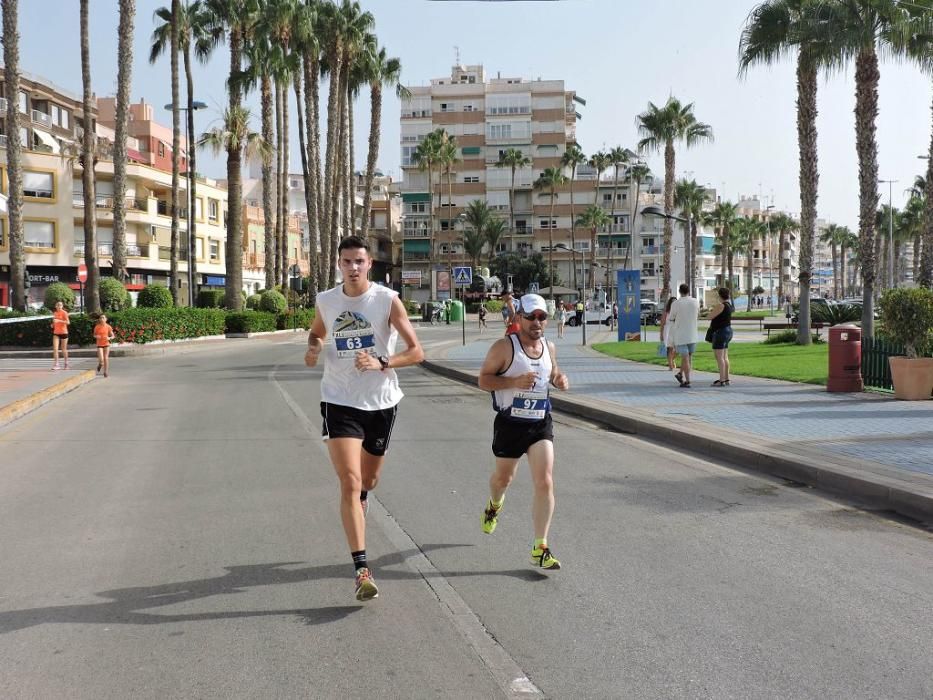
{"x":540,"y":316}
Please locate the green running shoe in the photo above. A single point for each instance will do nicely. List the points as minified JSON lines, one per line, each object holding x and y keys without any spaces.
{"x":542,"y":557}
{"x":365,"y":585}
{"x":490,"y":517}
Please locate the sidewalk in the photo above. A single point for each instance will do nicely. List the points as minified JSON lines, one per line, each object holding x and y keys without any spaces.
{"x":868,"y":447}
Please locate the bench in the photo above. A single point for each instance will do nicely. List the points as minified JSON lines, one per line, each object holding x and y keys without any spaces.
{"x":784,"y":325}
{"x":753,"y":317}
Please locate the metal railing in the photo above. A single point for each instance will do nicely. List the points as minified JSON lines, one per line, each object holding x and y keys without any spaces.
{"x":876,"y":372}
{"x":41,"y":118}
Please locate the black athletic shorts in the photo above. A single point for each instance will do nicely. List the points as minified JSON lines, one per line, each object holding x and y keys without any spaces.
{"x":374,"y":428}
{"x":62,"y":336}
{"x":511,"y":438}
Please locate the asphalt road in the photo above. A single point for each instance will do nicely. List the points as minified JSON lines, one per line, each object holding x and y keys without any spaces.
{"x":172,"y":532}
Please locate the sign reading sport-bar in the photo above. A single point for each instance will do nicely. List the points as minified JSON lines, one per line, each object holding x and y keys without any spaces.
{"x":411,"y":277}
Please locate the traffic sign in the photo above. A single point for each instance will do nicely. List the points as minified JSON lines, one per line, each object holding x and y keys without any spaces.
{"x":533,"y":287}
{"x":82,"y":273}
{"x":463,"y":276}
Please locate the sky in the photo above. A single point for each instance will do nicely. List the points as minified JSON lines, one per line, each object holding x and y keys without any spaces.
{"x":617,"y":54}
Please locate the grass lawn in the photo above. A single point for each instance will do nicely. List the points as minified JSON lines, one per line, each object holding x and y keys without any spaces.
{"x":794,"y":363}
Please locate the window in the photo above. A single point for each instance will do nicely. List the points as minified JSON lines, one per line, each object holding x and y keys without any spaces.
{"x":39,"y":234}
{"x":468,"y":108}
{"x":471,"y":178}
{"x":22,"y":102}
{"x":37,"y":184}
{"x":547,"y":223}
{"x":198,"y":209}
{"x":161,"y":149}
{"x":500,"y":247}
{"x":508,"y":104}
{"x":295,"y":185}
{"x":199,"y":248}
{"x":416,"y":208}
{"x":407,"y":152}
{"x":607,"y":197}
{"x":213,"y":209}
{"x":215,"y":250}
{"x":3,"y":243}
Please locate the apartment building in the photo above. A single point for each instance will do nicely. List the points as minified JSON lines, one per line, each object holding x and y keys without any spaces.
{"x":385,"y":211}
{"x":254,"y":256}
{"x":53,"y":196}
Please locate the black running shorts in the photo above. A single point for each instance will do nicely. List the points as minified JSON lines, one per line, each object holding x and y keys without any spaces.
{"x":511,"y":438}
{"x":374,"y":428}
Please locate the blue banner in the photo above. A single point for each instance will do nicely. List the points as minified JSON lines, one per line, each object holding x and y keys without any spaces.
{"x":629,"y":295}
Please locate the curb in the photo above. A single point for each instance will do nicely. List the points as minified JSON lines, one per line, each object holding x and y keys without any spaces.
{"x":873,"y":489}
{"x":21,"y":407}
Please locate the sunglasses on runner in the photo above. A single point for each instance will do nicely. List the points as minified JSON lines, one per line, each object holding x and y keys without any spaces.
{"x":539,"y":316}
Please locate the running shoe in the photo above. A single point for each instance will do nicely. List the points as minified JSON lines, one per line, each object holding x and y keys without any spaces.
{"x":365,"y":585}
{"x":99,"y":365}
{"x":490,"y":517}
{"x":542,"y":557}
{"x":364,"y":504}
{"x":54,"y":368}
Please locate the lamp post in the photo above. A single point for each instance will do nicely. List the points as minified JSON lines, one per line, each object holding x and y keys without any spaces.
{"x":573,"y":261}
{"x":191,"y":226}
{"x":890,"y":184}
{"x":770,"y":261}
{"x":657,"y":211}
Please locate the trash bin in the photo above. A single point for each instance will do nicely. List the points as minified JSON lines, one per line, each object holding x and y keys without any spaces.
{"x":427,"y":308}
{"x":845,"y":358}
{"x":456,"y":310}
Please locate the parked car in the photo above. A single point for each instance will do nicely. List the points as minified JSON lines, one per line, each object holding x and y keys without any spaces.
{"x":649,"y":313}
{"x":601,"y":314}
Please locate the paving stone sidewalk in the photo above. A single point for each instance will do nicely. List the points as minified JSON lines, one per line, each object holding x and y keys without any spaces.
{"x":869,"y":427}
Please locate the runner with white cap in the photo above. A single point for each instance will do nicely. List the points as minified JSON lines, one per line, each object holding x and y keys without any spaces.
{"x":518,"y":370}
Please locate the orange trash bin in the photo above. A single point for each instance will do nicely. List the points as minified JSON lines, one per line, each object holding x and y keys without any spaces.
{"x":845,"y":358}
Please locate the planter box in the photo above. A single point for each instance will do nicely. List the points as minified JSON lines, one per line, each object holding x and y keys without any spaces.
{"x":913,"y":378}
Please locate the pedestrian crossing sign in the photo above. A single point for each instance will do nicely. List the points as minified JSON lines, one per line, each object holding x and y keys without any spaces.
{"x":463,"y":276}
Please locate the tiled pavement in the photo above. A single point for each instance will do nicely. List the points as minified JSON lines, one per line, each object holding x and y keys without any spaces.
{"x":867,"y":427}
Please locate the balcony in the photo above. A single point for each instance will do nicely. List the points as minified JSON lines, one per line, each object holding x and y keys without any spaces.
{"x":416,"y":114}
{"x":508,"y":110}
{"x":41,"y":118}
{"x":2,"y":140}
{"x":2,"y":105}
{"x":417,"y":233}
{"x":166,"y":253}
{"x":650,"y":249}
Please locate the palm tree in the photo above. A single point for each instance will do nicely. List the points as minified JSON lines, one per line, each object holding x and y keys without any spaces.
{"x":14,"y":149}
{"x":550,"y":180}
{"x":513,"y":159}
{"x":660,"y":127}
{"x":593,"y":217}
{"x":176,"y":148}
{"x":722,"y":218}
{"x":427,"y":157}
{"x":831,"y":236}
{"x":600,"y":161}
{"x":381,"y":71}
{"x":783,"y":224}
{"x":572,"y":158}
{"x":449,"y":158}
{"x":741,"y":238}
{"x":618,"y":157}
{"x":912,"y":223}
{"x":92,"y":288}
{"x":638,"y":173}
{"x":478,"y":216}
{"x":494,"y":229}
{"x":689,"y":197}
{"x":124,"y":78}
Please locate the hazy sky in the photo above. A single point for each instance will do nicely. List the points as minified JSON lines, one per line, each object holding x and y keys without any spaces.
{"x":617,"y":54}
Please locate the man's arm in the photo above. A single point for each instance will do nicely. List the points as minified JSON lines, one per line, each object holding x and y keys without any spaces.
{"x":413,"y":353}
{"x":558,"y":378}
{"x":315,"y":340}
{"x":497,"y":360}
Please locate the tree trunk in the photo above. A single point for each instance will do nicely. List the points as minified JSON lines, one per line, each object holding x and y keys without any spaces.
{"x":277,"y":189}
{"x":309,"y":64}
{"x":234,"y":253}
{"x":748,"y":271}
{"x":834,"y":252}
{"x":550,"y":246}
{"x":88,"y":139}
{"x":308,"y":185}
{"x":866,"y":113}
{"x":724,"y":257}
{"x":339,"y":157}
{"x":375,"y":108}
{"x":124,"y":78}
{"x":283,"y":190}
{"x":916,"y":257}
{"x":329,"y":251}
{"x":809,"y":181}
{"x":925,"y":276}
{"x":668,"y":222}
{"x":782,"y":240}
{"x":693,"y":257}
{"x":268,"y":188}
{"x":348,"y":191}
{"x":174,"y":278}
{"x":14,"y":146}
{"x":192,"y":149}
{"x":573,"y":229}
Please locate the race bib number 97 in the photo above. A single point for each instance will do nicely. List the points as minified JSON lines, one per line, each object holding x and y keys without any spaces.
{"x":529,"y":405}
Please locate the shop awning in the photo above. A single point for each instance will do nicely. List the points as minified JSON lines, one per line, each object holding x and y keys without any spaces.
{"x":416,"y":196}
{"x":417,"y":246}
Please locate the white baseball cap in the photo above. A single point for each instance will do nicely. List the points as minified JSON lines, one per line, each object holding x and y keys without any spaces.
{"x":531,"y":303}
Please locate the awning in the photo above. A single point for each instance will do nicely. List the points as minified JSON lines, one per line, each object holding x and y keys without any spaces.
{"x":416,"y":246}
{"x":416,"y":197}
{"x":133,"y":154}
{"x":47,"y":139}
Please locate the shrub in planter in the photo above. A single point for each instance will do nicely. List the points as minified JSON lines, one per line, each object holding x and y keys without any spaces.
{"x":154,"y":296}
{"x":113,"y":295}
{"x":250,"y":322}
{"x":59,"y":292}
{"x":252,"y":302}
{"x":273,"y":302}
{"x":907,"y":319}
{"x":210,"y":299}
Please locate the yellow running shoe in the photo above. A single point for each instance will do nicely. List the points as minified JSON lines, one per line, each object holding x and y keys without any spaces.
{"x":365,"y":585}
{"x":542,"y":557}
{"x":490,"y":517}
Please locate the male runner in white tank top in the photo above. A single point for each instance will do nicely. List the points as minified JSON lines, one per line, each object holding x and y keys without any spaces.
{"x":359,"y":389}
{"x":518,"y":369}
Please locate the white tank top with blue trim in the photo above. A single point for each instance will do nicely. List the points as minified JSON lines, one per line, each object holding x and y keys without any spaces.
{"x":526,"y":404}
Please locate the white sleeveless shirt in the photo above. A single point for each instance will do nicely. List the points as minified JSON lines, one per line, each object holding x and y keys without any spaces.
{"x":526,"y":404}
{"x":354,"y":324}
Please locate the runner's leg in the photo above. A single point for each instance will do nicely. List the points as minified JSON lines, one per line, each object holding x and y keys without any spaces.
{"x":345,"y":455}
{"x":541,"y":462}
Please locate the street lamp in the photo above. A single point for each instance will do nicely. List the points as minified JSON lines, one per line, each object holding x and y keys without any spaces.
{"x":194,"y":105}
{"x":770,"y":260}
{"x":652,"y":210}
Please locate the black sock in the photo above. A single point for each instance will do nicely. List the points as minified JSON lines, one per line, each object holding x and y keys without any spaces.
{"x":359,"y":559}
{"x":364,"y":495}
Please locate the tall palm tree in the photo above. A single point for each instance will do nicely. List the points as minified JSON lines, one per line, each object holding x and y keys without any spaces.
{"x":689,"y":197}
{"x":783,"y":224}
{"x":618,"y":157}
{"x":449,"y":158}
{"x":381,"y":70}
{"x":572,"y":158}
{"x":638,"y":173}
{"x":594,"y":217}
{"x":661,"y":127}
{"x":550,"y":179}
{"x":831,"y":237}
{"x":176,"y":148}
{"x":427,"y":157}
{"x":235,"y":134}
{"x":478,"y":217}
{"x":494,"y":229}
{"x":14,"y":150}
{"x":741,"y":239}
{"x":722,"y":218}
{"x":600,"y":161}
{"x":513,"y":159}
{"x":124,"y":79}
{"x":88,"y":137}
{"x":912,"y":221}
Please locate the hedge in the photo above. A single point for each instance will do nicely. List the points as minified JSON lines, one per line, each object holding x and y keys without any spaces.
{"x":130,"y":326}
{"x":273,"y":302}
{"x":155,"y":296}
{"x":113,"y":295}
{"x":250,"y":322}
{"x":210,"y":299}
{"x":295,"y":318}
{"x":59,"y":291}
{"x":252,"y":302}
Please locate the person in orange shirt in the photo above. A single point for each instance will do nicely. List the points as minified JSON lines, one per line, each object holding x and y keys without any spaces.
{"x":103,"y":334}
{"x":60,"y":322}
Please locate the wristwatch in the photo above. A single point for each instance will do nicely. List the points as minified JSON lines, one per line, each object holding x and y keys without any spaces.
{"x":384,"y":361}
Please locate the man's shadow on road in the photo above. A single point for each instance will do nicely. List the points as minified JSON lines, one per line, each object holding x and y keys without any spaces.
{"x":127,"y":605}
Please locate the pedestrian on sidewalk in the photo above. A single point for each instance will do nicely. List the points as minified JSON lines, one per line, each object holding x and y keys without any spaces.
{"x":561,"y":318}
{"x":481,"y":316}
{"x":666,"y":333}
{"x":508,"y":313}
{"x":517,"y":370}
{"x":720,"y":333}
{"x":103,"y":334}
{"x":60,"y":323}
{"x":578,"y":311}
{"x":684,"y":314}
{"x":359,"y":389}
{"x":788,"y":309}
